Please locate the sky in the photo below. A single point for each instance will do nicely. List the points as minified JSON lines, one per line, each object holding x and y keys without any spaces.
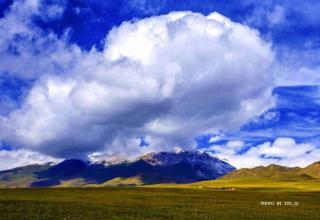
{"x":104,"y":79}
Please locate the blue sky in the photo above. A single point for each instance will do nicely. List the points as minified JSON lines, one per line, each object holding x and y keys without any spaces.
{"x":99,"y":77}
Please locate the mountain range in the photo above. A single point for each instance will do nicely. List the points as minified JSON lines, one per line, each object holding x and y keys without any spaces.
{"x":267,"y":178}
{"x":153,"y":168}
{"x":277,"y":172}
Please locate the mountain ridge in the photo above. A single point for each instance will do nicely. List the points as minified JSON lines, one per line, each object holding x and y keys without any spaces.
{"x":277,"y":172}
{"x":182,"y":167}
{"x":149,"y":169}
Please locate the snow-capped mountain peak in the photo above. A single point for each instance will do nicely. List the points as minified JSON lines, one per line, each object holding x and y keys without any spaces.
{"x":206,"y":164}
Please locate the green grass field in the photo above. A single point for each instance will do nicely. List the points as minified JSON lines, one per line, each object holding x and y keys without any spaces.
{"x":154,"y":203}
{"x":251,"y":184}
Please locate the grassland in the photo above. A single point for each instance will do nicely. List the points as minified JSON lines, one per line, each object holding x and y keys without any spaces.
{"x":250,"y":184}
{"x":261,"y":184}
{"x":154,"y":203}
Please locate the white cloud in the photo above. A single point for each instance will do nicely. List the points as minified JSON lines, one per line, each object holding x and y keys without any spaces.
{"x":52,"y":11}
{"x":27,"y":51}
{"x":267,"y":15}
{"x":168,"y":78}
{"x":276,"y":16}
{"x":235,"y":144}
{"x":291,"y":154}
{"x":297,"y":55}
{"x":214,"y":138}
{"x":15,"y":158}
{"x":298,"y":67}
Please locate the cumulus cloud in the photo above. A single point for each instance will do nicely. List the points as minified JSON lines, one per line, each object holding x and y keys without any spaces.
{"x":166,"y":78}
{"x":15,"y":158}
{"x":283,"y":151}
